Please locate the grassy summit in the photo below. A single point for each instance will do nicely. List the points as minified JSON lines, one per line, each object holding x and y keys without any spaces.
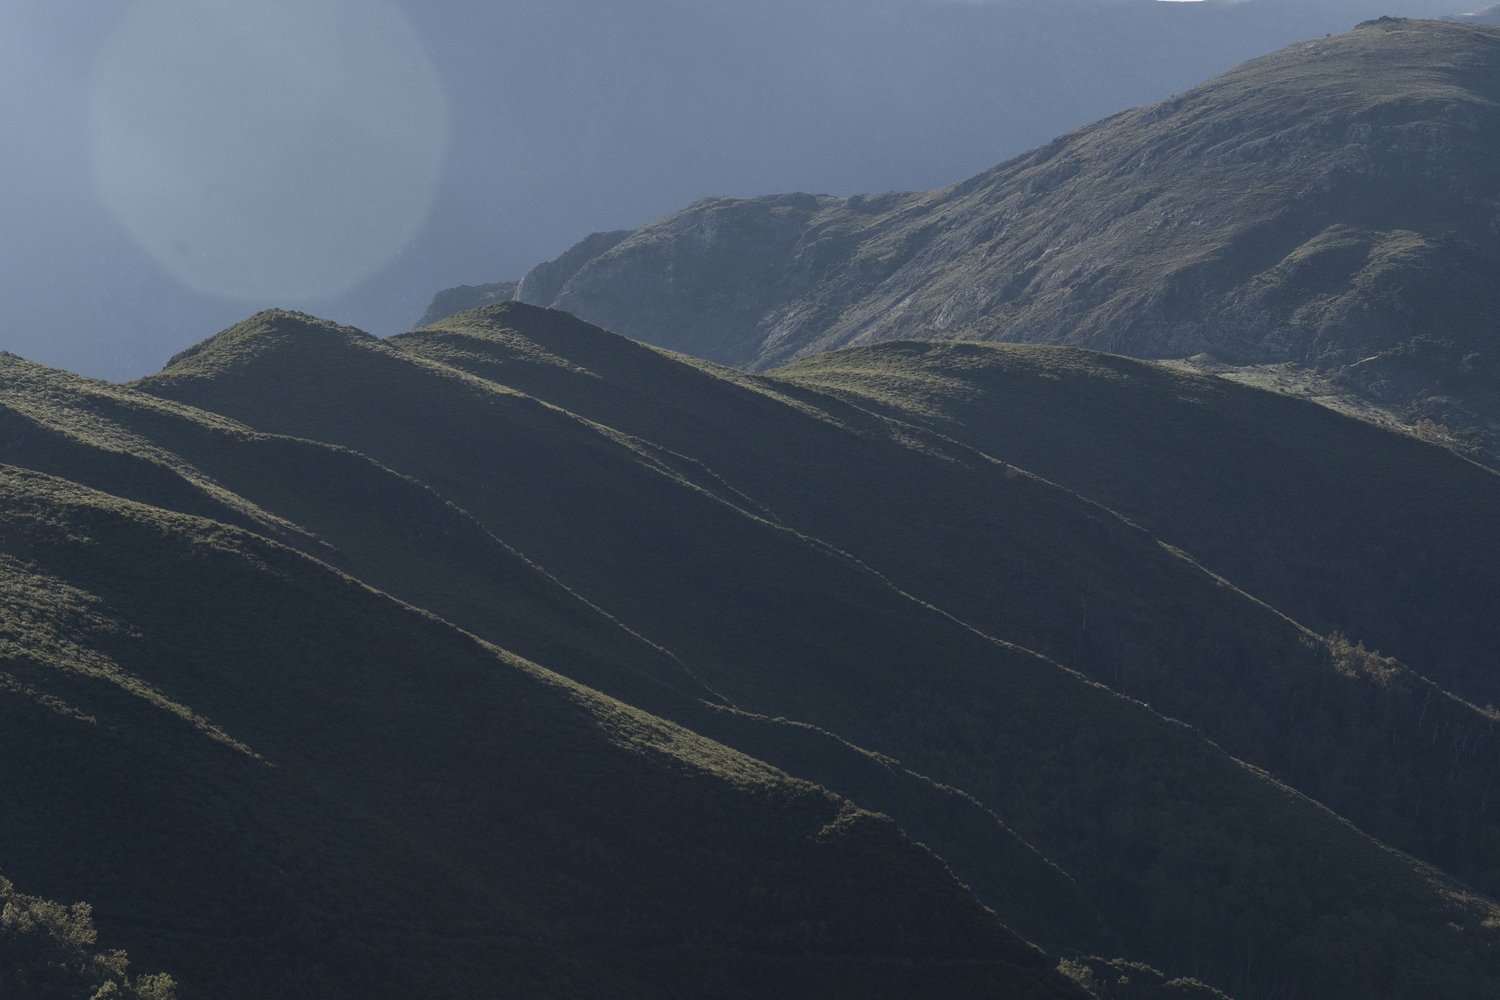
{"x":1331,"y":205}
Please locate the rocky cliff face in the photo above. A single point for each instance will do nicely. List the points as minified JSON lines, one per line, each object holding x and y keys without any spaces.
{"x":1335,"y":205}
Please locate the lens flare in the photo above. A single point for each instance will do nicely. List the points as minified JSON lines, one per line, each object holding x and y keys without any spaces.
{"x":267,"y":150}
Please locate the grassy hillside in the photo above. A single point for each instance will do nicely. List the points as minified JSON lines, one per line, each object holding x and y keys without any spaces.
{"x":466,"y":297}
{"x":1032,"y":564}
{"x":280,"y":782}
{"x":804,"y":566}
{"x":399,"y":536}
{"x":1329,"y":205}
{"x":1340,"y":524}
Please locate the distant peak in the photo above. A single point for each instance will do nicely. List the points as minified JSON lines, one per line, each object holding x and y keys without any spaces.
{"x":262,"y":331}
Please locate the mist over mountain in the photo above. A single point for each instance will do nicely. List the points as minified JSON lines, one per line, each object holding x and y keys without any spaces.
{"x":582,"y":115}
{"x":1485,"y":15}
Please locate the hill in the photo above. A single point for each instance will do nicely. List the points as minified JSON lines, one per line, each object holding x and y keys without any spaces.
{"x":514,"y":651}
{"x":1034,"y":565}
{"x":859,"y":576}
{"x":278,"y":782}
{"x":397,"y":534}
{"x":1336,"y":522}
{"x":1329,"y":206}
{"x":466,"y":297}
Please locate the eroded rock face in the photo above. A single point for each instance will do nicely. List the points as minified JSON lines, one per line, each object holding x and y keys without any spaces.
{"x":1335,"y":204}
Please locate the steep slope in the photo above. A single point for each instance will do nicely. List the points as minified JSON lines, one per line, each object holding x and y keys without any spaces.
{"x":278,"y":782}
{"x":1332,"y":205}
{"x":399,"y":536}
{"x":1340,"y":524}
{"x":1029,"y":563}
{"x":692,"y":503}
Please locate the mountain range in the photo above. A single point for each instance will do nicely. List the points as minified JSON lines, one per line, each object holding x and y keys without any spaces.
{"x":516,"y":648}
{"x":512,"y":656}
{"x":1330,"y":211}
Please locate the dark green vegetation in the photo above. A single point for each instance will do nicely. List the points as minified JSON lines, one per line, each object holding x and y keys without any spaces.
{"x":48,"y":952}
{"x":708,"y":619}
{"x":1334,"y":206}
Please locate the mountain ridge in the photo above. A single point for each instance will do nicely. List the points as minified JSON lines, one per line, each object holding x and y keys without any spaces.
{"x":1333,"y":205}
{"x":266,"y":595}
{"x":513,"y":656}
{"x":178,"y":602}
{"x":723,"y":435}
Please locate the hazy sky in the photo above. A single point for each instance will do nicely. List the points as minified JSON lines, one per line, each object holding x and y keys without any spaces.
{"x":170,"y":166}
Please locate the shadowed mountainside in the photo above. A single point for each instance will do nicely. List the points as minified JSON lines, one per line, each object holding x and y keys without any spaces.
{"x":1338,"y":523}
{"x":1332,"y":205}
{"x":514,"y":650}
{"x":391,"y":532}
{"x":1080,"y":584}
{"x":307,"y":788}
{"x":791,"y":553}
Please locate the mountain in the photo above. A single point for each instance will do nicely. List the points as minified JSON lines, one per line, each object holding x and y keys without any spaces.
{"x":1331,"y":207}
{"x":281,"y":782}
{"x":1120,"y":753}
{"x":514,"y":651}
{"x":284,"y":783}
{"x":574,"y":115}
{"x":1108,"y":600}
